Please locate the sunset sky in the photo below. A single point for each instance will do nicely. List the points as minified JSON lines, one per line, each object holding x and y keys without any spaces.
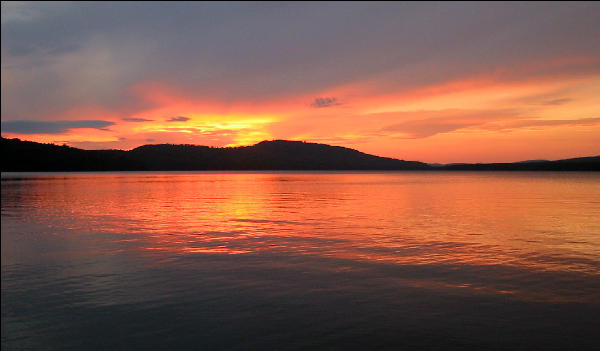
{"x":434,"y":82}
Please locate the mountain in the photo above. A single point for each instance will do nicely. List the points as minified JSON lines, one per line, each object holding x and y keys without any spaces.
{"x":267,"y":155}
{"x":18,"y":155}
{"x":572,"y":164}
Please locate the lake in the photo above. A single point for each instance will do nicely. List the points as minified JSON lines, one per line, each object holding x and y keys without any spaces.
{"x":300,"y":260}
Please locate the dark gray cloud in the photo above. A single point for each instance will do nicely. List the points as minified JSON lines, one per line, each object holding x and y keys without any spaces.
{"x":325,"y":102}
{"x":91,"y":53}
{"x":43,"y":127}
{"x":134,"y":119}
{"x":178,"y":119}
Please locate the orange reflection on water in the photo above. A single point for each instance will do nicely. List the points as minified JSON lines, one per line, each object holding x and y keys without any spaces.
{"x":220,"y":249}
{"x":528,"y":221}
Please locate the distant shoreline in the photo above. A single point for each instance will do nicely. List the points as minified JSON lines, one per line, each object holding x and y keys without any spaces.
{"x":266,"y":156}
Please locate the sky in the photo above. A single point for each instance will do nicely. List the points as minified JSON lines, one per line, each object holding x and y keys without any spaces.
{"x":434,"y":82}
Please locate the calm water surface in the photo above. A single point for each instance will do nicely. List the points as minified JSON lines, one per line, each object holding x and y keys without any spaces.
{"x":402,"y":260}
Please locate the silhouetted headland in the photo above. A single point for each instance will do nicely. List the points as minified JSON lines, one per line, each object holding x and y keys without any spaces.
{"x":18,"y":155}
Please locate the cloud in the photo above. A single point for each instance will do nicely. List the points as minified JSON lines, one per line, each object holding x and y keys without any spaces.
{"x":427,"y":128}
{"x":204,"y":130}
{"x":560,"y":101}
{"x":493,"y":120}
{"x":178,"y":119}
{"x":443,"y":121}
{"x":133,"y":119}
{"x":57,"y":127}
{"x":16,"y":12}
{"x":90,"y":53}
{"x":530,"y":123}
{"x":325,"y":102}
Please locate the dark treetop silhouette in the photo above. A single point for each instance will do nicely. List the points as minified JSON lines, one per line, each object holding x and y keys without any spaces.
{"x":20,"y":155}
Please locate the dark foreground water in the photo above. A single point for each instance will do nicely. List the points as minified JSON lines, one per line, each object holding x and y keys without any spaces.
{"x":265,"y":261}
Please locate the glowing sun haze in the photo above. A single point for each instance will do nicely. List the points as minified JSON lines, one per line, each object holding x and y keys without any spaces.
{"x":435,"y":82}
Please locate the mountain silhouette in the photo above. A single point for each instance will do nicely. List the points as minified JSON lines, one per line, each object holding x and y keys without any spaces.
{"x":267,"y":155}
{"x":591,"y":163}
{"x":18,"y":155}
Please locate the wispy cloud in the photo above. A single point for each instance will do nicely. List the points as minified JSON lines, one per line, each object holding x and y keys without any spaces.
{"x":557,"y":101}
{"x":532,"y":123}
{"x":444,"y":121}
{"x":501,"y":120}
{"x":133,"y":119}
{"x":202,"y":131}
{"x":56,"y":127}
{"x":178,"y":119}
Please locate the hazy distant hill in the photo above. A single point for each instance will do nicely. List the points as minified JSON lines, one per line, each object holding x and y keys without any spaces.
{"x":267,"y":155}
{"x":572,"y":164}
{"x":20,"y":155}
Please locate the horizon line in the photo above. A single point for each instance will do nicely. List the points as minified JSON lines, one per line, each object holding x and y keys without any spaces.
{"x":306,"y":142}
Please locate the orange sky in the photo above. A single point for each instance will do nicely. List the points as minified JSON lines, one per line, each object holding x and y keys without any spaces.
{"x":471,"y":120}
{"x":515,"y":109}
